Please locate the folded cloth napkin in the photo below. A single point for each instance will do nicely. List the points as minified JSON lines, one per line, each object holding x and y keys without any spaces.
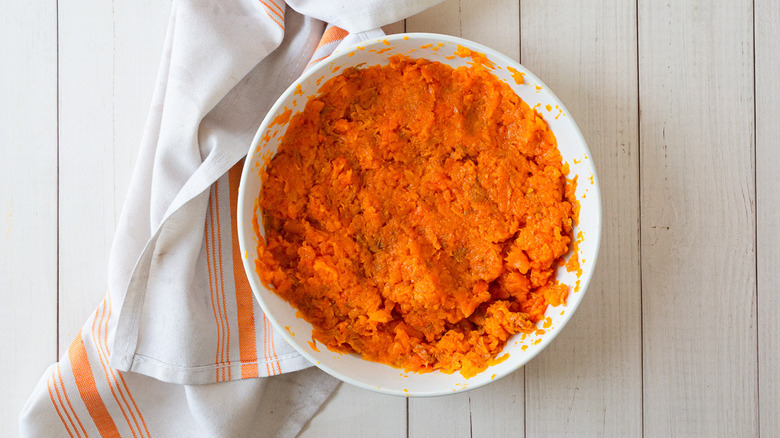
{"x":179,"y":347}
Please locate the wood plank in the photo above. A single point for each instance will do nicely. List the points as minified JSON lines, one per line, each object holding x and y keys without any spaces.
{"x":447,"y":416}
{"x":498,"y":406}
{"x":28,"y":201}
{"x":353,"y":411}
{"x":494,"y":23}
{"x":86,"y":160}
{"x":107,"y":75}
{"x":397,"y":27}
{"x":444,"y":18}
{"x":136,"y":61}
{"x":497,"y":410}
{"x":767,"y":64}
{"x":589,"y":381}
{"x":698,"y":218}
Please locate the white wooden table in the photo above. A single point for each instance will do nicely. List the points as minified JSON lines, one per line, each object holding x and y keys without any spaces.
{"x":679,"y":102}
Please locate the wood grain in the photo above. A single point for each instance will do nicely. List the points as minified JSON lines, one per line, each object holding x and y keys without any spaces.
{"x":497,"y":410}
{"x":767,"y":64}
{"x":86,"y":160}
{"x":352,"y":411}
{"x":589,"y":381}
{"x":447,"y":416}
{"x":28,"y":201}
{"x":107,"y":73}
{"x":678,"y":337}
{"x":698,"y":218}
{"x":136,"y":60}
{"x":494,"y":23}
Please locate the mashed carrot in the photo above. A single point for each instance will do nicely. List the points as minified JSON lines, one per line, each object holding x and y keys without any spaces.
{"x":415,"y":214}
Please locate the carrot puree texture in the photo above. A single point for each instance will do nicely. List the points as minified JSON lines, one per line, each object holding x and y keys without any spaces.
{"x":415,"y":214}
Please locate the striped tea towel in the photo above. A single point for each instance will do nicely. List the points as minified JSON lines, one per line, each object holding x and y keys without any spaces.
{"x":179,"y":347}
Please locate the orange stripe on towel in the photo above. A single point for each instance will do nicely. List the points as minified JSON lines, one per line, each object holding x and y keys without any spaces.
{"x":101,"y":340}
{"x":244,"y":301}
{"x":222,"y":286}
{"x":210,"y":225}
{"x":135,"y":405}
{"x":269,"y":329}
{"x":127,"y":390}
{"x":278,"y":12}
{"x":67,"y":399}
{"x":62,"y":404}
{"x":314,"y":61}
{"x":104,"y":360}
{"x":266,"y":343}
{"x":273,"y":2}
{"x":56,"y":404}
{"x":331,"y":34}
{"x":85,"y":382}
{"x":280,"y":23}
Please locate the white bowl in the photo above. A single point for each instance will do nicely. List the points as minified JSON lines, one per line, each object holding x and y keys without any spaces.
{"x":383,"y":378}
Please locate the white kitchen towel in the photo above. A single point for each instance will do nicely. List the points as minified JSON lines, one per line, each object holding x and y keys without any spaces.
{"x":179,"y":347}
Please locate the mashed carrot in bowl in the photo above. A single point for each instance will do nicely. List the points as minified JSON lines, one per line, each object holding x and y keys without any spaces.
{"x":418,"y":215}
{"x":415,"y":214}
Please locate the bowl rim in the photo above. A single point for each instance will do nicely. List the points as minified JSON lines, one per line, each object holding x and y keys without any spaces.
{"x":491,"y":54}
